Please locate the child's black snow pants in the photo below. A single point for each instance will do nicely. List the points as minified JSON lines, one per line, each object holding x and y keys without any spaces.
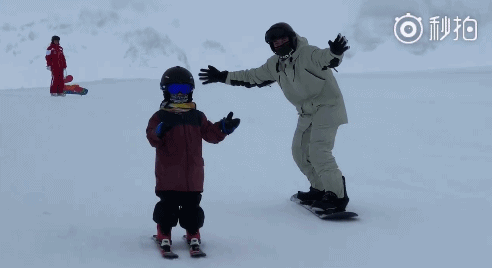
{"x":182,"y":206}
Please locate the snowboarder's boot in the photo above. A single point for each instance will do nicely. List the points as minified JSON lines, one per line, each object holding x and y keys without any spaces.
{"x":331,"y":203}
{"x":62,"y":94}
{"x":307,"y":198}
{"x":54,"y":94}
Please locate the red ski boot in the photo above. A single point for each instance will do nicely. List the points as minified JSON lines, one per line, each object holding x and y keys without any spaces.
{"x":194,"y":241}
{"x":165,"y":242}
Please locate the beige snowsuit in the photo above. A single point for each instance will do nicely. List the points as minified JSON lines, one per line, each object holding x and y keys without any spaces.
{"x":316,"y":95}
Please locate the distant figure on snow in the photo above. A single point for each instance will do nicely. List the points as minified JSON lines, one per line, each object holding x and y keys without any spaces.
{"x":176,"y":131}
{"x":304,"y":75}
{"x":56,"y":63}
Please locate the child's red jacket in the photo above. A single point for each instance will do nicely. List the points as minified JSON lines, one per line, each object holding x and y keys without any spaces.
{"x":179,"y":162}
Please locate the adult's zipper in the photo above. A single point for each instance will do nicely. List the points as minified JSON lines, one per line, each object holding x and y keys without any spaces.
{"x":293,"y":79}
{"x":314,"y":74}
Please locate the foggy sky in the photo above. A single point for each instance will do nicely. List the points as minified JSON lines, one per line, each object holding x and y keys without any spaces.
{"x":151,"y":30}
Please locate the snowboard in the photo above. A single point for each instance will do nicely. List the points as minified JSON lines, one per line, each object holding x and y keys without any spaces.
{"x":68,"y":79}
{"x":75,"y":89}
{"x":322,"y":214}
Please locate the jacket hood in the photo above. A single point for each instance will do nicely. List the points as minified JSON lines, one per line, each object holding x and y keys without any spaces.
{"x":301,"y":41}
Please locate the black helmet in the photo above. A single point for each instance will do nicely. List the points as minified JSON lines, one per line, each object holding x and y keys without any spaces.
{"x":176,"y":75}
{"x":279,"y":30}
{"x":55,"y":37}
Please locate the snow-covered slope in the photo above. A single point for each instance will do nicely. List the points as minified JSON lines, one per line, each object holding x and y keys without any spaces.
{"x":77,"y":177}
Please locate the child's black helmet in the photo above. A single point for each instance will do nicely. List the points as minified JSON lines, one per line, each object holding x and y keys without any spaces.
{"x":176,"y":75}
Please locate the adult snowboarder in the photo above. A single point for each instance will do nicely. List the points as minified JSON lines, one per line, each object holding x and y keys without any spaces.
{"x":56,"y":63}
{"x":176,"y":131}
{"x":304,"y":75}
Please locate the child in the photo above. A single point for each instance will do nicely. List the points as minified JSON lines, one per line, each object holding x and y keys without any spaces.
{"x":176,"y":131}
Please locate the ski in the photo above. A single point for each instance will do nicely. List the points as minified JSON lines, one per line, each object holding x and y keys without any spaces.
{"x":323,"y":214}
{"x":166,"y":252}
{"x":195,"y":250}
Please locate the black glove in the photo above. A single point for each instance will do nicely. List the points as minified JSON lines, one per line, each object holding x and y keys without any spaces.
{"x":228,"y":125}
{"x":339,"y":45}
{"x":334,"y":63}
{"x":162,"y":128}
{"x":212,"y":75}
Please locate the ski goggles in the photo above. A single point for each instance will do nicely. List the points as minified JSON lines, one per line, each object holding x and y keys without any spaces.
{"x":179,"y":88}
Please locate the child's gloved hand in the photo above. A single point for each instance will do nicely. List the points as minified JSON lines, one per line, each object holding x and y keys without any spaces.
{"x":228,"y":125}
{"x":162,"y":128}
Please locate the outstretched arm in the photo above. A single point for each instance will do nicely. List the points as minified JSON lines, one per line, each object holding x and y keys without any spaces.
{"x":330,"y":57}
{"x":324,"y":58}
{"x":211,"y":131}
{"x":256,"y":77}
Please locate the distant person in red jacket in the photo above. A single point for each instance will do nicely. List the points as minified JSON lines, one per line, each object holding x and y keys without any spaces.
{"x":176,"y":131}
{"x":56,"y":63}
